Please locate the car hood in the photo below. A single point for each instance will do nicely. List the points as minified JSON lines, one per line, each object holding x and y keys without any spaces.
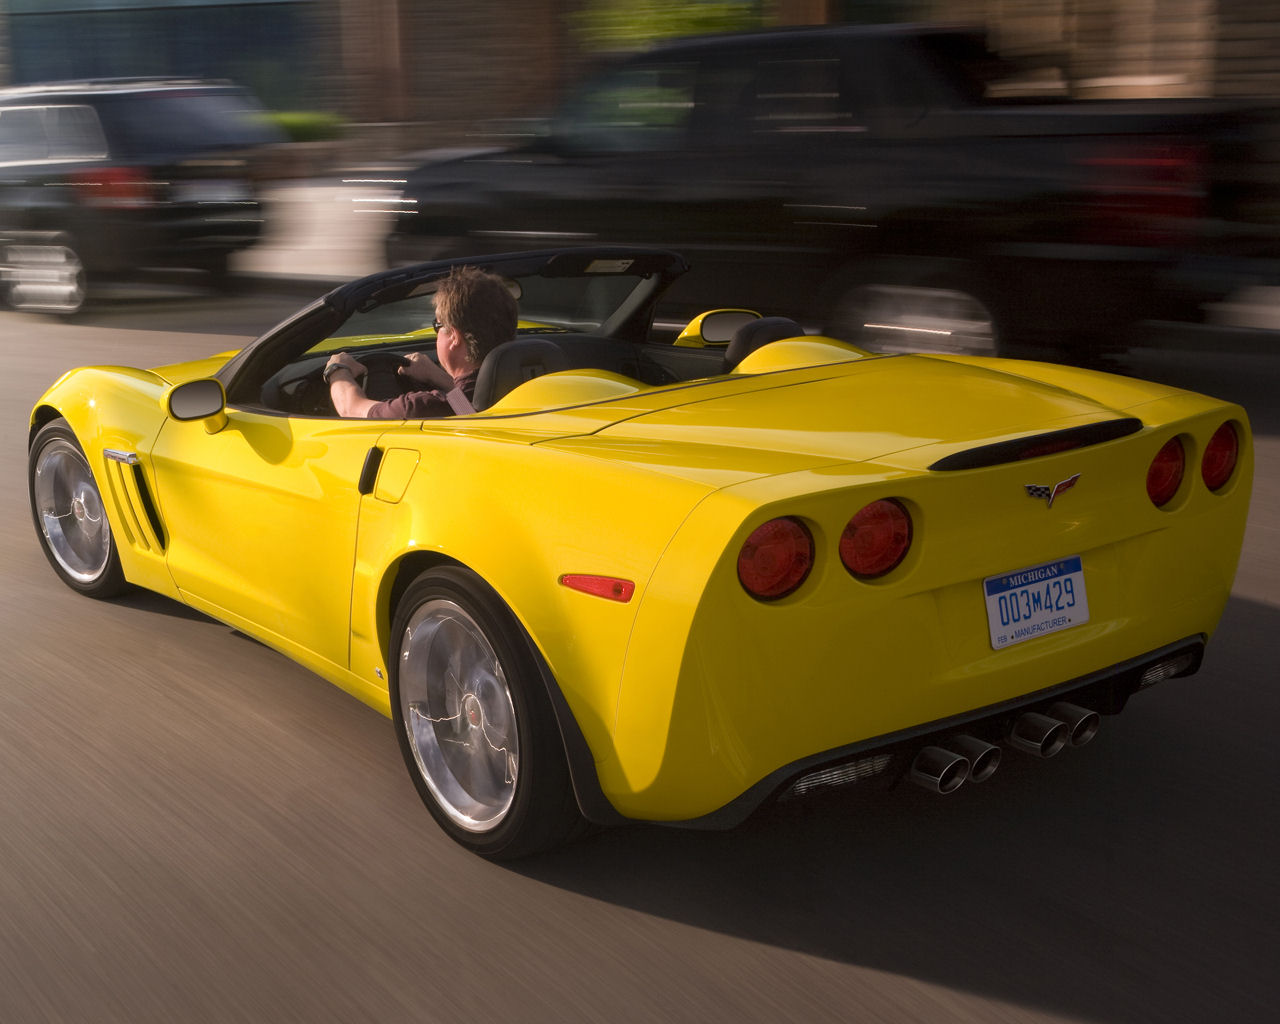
{"x":180,"y":373}
{"x":904,"y":412}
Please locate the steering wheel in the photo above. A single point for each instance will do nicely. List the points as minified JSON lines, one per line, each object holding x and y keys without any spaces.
{"x":299,"y":389}
{"x":382,"y":378}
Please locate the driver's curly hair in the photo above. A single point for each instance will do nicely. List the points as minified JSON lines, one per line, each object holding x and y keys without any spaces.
{"x":479,"y":306}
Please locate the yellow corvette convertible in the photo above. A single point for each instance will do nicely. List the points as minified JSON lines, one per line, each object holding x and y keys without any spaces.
{"x":661,"y":580}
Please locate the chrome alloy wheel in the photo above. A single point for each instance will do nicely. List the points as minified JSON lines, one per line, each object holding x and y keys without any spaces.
{"x":69,"y":511}
{"x":458,"y":715}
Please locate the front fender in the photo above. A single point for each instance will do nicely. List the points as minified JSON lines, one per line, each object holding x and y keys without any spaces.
{"x":119,"y":409}
{"x":79,"y":396}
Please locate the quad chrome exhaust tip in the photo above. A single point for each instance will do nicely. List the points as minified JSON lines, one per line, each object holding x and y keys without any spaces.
{"x":947,"y":765}
{"x":1082,"y":724}
{"x":944,"y":769}
{"x":983,"y":757}
{"x":1046,"y":734}
{"x":1034,"y":733}
{"x":939,"y":770}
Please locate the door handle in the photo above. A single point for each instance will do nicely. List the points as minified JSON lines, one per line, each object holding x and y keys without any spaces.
{"x":369,"y":473}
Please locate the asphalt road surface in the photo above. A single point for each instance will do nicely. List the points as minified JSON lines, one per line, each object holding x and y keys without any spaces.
{"x":194,"y":829}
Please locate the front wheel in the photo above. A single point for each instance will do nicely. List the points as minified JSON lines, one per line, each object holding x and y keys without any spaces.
{"x":46,"y":278}
{"x":69,"y":517}
{"x":474,"y":721}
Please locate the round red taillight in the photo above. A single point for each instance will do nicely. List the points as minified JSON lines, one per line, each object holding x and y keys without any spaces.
{"x":1164,"y":476}
{"x":776,"y":558}
{"x":1220,"y":457}
{"x":876,"y":539}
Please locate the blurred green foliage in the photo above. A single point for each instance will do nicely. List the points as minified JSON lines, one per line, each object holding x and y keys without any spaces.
{"x":307,"y":125}
{"x":630,"y":24}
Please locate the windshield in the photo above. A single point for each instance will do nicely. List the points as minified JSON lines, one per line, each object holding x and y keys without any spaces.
{"x":598,"y":296}
{"x":546,"y":304}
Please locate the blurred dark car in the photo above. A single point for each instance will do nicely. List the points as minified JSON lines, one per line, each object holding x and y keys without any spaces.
{"x":104,"y":179}
{"x":881,"y":183}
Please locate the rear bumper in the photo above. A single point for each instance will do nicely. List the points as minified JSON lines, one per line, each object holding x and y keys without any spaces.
{"x":885,"y":760}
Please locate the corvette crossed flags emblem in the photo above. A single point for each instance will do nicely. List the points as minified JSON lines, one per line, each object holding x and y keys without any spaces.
{"x":1049,"y":494}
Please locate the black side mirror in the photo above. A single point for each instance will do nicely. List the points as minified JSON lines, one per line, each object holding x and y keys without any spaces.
{"x":199,"y":400}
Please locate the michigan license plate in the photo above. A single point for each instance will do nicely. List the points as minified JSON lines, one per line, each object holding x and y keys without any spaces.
{"x":1036,"y":601}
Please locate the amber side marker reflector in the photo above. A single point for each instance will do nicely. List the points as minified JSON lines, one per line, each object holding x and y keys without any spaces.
{"x":609,"y":587}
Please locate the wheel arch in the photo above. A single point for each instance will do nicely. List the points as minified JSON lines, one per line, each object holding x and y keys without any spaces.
{"x":40,"y":416}
{"x":581,"y":762}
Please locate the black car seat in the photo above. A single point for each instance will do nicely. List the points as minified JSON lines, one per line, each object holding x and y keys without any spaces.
{"x":751,"y":335}
{"x":511,"y":364}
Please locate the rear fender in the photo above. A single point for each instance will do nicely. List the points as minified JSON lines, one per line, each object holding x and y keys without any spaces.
{"x":508,"y":524}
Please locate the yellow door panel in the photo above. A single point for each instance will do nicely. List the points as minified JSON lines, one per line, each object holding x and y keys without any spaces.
{"x":394,"y":474}
{"x":263,"y":518}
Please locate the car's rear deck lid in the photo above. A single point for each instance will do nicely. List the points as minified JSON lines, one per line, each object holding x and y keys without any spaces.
{"x":869,"y":409}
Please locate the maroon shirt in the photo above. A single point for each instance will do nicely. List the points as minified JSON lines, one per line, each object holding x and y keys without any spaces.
{"x":422,"y":405}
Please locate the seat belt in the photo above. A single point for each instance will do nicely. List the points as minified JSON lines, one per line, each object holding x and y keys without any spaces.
{"x":459,"y":403}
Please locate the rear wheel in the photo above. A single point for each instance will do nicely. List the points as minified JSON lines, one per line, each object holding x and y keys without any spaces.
{"x":906,"y":310}
{"x":67,"y":509}
{"x":474,"y":721}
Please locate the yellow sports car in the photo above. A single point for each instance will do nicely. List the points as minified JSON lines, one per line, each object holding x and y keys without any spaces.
{"x":656,"y":578}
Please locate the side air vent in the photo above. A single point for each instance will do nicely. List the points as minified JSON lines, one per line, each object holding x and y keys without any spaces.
{"x":139,"y":518}
{"x":1039,"y":444}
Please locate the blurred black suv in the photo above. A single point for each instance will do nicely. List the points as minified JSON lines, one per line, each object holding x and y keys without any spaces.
{"x":105,"y":179}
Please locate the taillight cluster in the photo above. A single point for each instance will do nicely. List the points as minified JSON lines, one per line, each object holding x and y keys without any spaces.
{"x":778,"y":555}
{"x":776,"y":558}
{"x":119,"y":187}
{"x":876,"y":539}
{"x":1217,"y":464}
{"x":1220,"y":457}
{"x":1145,"y":192}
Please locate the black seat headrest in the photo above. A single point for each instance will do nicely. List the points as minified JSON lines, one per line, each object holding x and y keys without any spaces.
{"x":511,"y":364}
{"x":750,"y":336}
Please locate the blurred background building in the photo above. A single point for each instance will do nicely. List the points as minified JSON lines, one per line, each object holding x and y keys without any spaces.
{"x":406,"y":74}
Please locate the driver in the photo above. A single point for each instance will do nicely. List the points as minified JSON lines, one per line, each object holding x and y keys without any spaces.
{"x":475,"y":313}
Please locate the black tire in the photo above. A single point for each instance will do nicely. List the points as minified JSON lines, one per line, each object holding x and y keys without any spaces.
{"x":68,"y":513}
{"x":899,"y":306}
{"x":474,"y":722}
{"x":221,"y":279}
